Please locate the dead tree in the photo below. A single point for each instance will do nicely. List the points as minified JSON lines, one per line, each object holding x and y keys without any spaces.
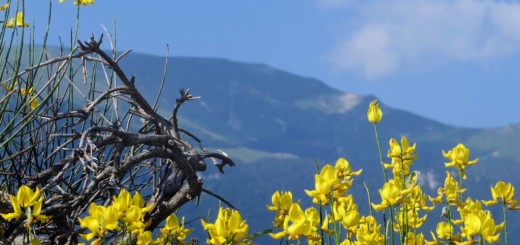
{"x":116,"y":140}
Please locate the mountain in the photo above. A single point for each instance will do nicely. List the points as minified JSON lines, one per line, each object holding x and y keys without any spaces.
{"x":277,"y":125}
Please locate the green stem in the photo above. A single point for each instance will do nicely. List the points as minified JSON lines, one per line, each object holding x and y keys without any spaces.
{"x":392,"y":224}
{"x":403,"y":228}
{"x":29,"y":217}
{"x":505,"y":221}
{"x":385,"y":227}
{"x":380,"y":152}
{"x":335,"y":224}
{"x":384,"y":174}
{"x":319,"y":205}
{"x":369,"y":199}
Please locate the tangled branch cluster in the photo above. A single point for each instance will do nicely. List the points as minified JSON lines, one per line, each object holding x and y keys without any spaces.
{"x":80,"y":156}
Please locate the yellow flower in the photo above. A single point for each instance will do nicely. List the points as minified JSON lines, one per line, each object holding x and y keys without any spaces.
{"x":469,"y":206}
{"x":347,"y":242}
{"x":459,"y":158}
{"x":417,"y":199}
{"x":434,"y":242}
{"x":481,"y":223}
{"x":18,"y":21}
{"x":409,"y":219}
{"x":471,"y":225}
{"x":414,"y":239}
{"x":229,"y":228}
{"x":144,"y":237}
{"x":34,"y":103}
{"x":302,"y":224}
{"x":402,"y":157}
{"x":369,"y":231}
{"x":131,"y":206}
{"x":374,"y":113}
{"x":444,"y":230}
{"x":324,"y":183}
{"x":391,"y":194}
{"x":313,"y":217}
{"x":344,"y":170}
{"x":132,"y":210}
{"x":489,"y":230}
{"x":282,"y":201}
{"x":84,"y":2}
{"x":132,"y":214}
{"x":100,"y":221}
{"x":27,"y":202}
{"x":451,"y":191}
{"x":344,"y":174}
{"x":138,"y":201}
{"x":346,"y":211}
{"x":123,"y":201}
{"x":26,"y":197}
{"x":325,"y":226}
{"x":173,"y":231}
{"x":24,"y":91}
{"x":81,"y":2}
{"x":4,"y":7}
{"x":36,"y":213}
{"x":10,"y":88}
{"x":504,"y":191}
{"x":134,"y":220}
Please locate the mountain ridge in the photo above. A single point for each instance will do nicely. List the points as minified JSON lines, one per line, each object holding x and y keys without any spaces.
{"x":279,"y":126}
{"x":278,"y":129}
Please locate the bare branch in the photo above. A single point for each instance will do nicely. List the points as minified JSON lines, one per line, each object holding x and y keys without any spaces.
{"x":112,"y":139}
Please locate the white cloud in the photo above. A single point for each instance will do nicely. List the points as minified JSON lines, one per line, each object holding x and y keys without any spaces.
{"x":370,"y":50}
{"x":392,"y":34}
{"x":429,"y":179}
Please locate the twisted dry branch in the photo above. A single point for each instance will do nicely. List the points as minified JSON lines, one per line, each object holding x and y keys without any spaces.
{"x":83,"y":157}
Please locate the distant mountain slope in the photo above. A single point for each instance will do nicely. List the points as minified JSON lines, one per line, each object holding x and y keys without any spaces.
{"x":262,"y":108}
{"x":277,"y":125}
{"x":274,"y":124}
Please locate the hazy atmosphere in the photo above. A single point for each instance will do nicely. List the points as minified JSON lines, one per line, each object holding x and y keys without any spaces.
{"x":452,"y":61}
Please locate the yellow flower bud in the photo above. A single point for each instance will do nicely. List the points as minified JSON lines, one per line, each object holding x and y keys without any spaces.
{"x":17,"y":21}
{"x":4,"y":7}
{"x":34,"y":103}
{"x":374,"y":113}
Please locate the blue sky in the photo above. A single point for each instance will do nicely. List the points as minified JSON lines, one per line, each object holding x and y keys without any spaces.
{"x":455,"y":61}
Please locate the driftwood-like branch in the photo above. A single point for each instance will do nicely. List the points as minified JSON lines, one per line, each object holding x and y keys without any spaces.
{"x":87,"y":154}
{"x":185,"y":96}
{"x":93,"y":46}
